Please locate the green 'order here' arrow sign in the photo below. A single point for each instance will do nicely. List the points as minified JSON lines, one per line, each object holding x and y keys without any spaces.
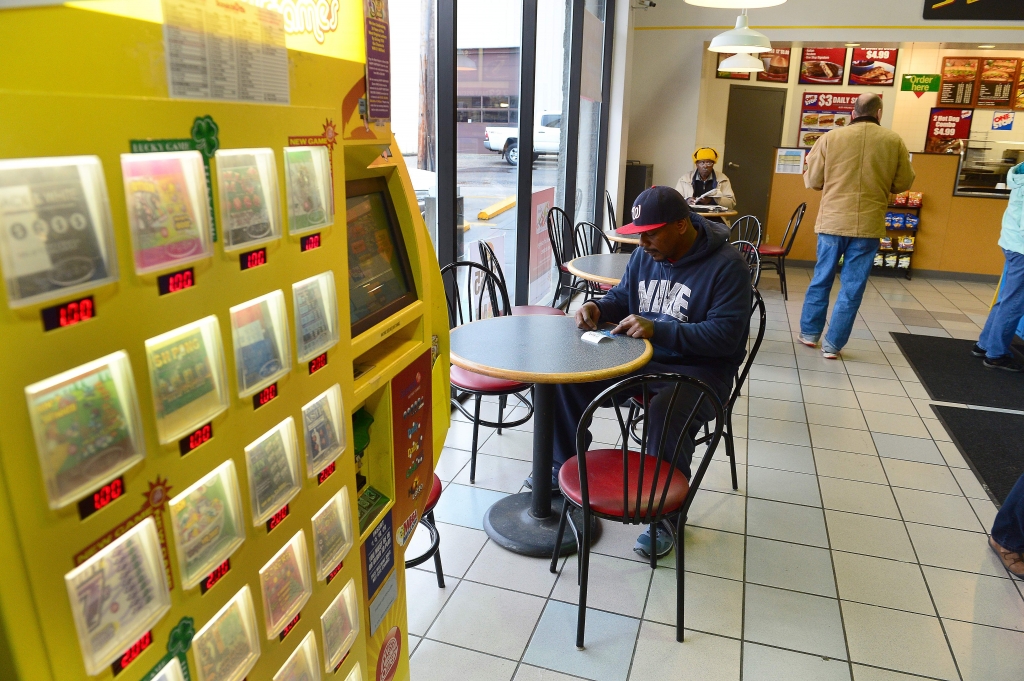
{"x":921,"y":83}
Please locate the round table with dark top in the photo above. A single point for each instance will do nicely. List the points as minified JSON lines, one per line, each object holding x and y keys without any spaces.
{"x":545,"y":351}
{"x":603,"y":268}
{"x":618,"y":237}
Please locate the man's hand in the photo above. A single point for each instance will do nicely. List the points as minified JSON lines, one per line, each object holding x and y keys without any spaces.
{"x":690,"y":201}
{"x":588,"y":316}
{"x":635,"y":326}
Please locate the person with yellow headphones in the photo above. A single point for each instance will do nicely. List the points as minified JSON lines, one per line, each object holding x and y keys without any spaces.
{"x":704,"y":180}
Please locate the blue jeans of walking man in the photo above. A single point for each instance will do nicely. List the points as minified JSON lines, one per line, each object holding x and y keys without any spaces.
{"x":858,"y":255}
{"x":1007,"y":312}
{"x":1007,"y":538}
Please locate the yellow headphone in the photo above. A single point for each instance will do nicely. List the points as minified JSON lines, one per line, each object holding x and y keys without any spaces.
{"x":705,"y":154}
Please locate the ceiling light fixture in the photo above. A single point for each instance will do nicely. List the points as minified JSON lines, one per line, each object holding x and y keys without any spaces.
{"x":853,"y":44}
{"x":735,"y":4}
{"x":741,"y":39}
{"x":742,"y":63}
{"x":986,"y":47}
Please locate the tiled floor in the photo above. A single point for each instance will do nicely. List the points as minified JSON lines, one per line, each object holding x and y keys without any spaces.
{"x":854,"y":549}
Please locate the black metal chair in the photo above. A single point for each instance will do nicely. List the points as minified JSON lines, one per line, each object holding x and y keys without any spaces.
{"x":558,"y":224}
{"x":637,"y":487}
{"x":461,"y":311}
{"x":775,"y":256}
{"x":746,"y":228}
{"x":753,"y":258}
{"x":613,"y":224}
{"x":586,"y":236}
{"x":490,"y":262}
{"x":428,"y":522}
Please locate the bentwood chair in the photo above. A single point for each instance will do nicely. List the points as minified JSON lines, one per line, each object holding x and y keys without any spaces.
{"x":586,"y":235}
{"x":749,"y":252}
{"x":427,"y":521}
{"x":558,"y":224}
{"x":490,"y":261}
{"x":643,"y":486}
{"x":775,"y":256}
{"x":463,"y":308}
{"x":747,"y":228}
{"x":613,"y":224}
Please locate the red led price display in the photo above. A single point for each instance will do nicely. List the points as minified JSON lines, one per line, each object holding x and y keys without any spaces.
{"x":291,"y":625}
{"x":317,"y":363}
{"x":198,"y":437}
{"x":335,"y":571}
{"x":322,"y":476}
{"x":176,"y":281}
{"x":264,"y":396}
{"x":278,"y":518}
{"x":68,"y":314}
{"x":101,"y":498}
{"x":215,"y":576}
{"x":251,"y":259}
{"x":132,"y":653}
{"x":308,"y":243}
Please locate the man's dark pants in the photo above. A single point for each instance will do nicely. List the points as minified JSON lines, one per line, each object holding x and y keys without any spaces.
{"x":1008,"y":528}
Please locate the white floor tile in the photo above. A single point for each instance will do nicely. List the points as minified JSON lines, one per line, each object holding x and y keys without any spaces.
{"x":700,"y":656}
{"x":869,"y":535}
{"x":712,"y":604}
{"x":616,"y":585}
{"x":435,"y":661}
{"x":877,"y":581}
{"x":771,"y":664}
{"x":986,"y":653}
{"x":797,"y":621}
{"x":897,"y":640}
{"x":477,"y":617}
{"x":976,"y":598}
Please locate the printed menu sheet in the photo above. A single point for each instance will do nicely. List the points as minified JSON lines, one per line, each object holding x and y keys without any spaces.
{"x":226,"y":51}
{"x":995,"y":87}
{"x":958,"y":79}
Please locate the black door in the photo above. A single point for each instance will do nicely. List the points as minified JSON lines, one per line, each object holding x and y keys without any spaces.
{"x":752,"y":132}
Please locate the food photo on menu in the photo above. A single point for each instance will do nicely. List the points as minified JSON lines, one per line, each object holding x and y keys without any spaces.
{"x":822,"y":66}
{"x":776,"y":65}
{"x":873,"y":66}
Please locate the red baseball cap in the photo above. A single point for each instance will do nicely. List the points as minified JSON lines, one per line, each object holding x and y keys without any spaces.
{"x":654,"y":208}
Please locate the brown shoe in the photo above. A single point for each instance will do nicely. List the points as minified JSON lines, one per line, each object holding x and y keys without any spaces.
{"x":1012,"y":561}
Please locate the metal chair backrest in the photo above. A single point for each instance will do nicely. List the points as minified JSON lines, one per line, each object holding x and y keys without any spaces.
{"x":747,"y":228}
{"x":484,"y":290}
{"x":689,"y":404}
{"x":794,"y":224}
{"x":613,"y":224}
{"x":757,"y":307}
{"x":558,"y":222}
{"x":587,"y":234}
{"x":749,"y":252}
{"x":490,"y":262}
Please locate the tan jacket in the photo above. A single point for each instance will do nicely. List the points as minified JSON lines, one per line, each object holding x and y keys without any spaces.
{"x":856,"y":168}
{"x":727,"y":199}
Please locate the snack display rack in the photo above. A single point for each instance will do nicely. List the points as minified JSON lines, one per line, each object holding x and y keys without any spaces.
{"x":895,"y":254}
{"x":213,"y":280}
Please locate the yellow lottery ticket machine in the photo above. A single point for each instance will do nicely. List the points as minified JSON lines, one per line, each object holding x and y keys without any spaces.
{"x":220,"y":321}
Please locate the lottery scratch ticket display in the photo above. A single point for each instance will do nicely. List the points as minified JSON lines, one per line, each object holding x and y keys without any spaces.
{"x":56,"y":235}
{"x":170,"y":671}
{"x":272,"y":462}
{"x":207,"y":523}
{"x":168,"y":208}
{"x":86,"y":425}
{"x":356,"y":674}
{"x":285,"y":584}
{"x":316,"y":315}
{"x":323,"y":429}
{"x":302,"y":665}
{"x":332,"y":533}
{"x":259,"y":329}
{"x":187,"y":377}
{"x":118,"y":595}
{"x":247,"y":185}
{"x":307,"y":172}
{"x":228,"y":646}
{"x":340,"y":626}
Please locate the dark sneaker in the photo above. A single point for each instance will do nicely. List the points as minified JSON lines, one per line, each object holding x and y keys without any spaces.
{"x":554,"y":483}
{"x":976,"y":351}
{"x":1004,"y":363}
{"x":665,"y":541}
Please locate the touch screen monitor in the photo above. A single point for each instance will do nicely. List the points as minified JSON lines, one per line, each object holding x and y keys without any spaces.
{"x":380,"y":281}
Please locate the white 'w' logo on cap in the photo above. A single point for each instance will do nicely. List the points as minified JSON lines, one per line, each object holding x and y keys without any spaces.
{"x":636,"y":212}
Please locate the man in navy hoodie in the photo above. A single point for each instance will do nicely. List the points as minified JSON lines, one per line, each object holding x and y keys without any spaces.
{"x":688,"y":292}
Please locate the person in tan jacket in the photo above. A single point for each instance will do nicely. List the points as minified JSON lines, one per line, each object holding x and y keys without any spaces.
{"x":856,"y":169}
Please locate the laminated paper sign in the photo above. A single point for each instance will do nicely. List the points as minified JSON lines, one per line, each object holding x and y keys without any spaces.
{"x":945,"y":127}
{"x":378,"y":61}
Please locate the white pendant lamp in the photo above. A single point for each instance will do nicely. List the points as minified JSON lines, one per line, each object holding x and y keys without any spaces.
{"x":741,"y":39}
{"x":735,"y":4}
{"x":742,"y":63}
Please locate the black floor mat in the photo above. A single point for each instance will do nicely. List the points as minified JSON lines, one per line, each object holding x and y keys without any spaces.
{"x":991,"y":442}
{"x":950,"y":374}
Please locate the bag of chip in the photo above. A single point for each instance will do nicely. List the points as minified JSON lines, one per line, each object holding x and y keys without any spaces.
{"x":904,"y":262}
{"x":888,"y":220}
{"x":885,"y":243}
{"x":890,"y":260}
{"x":900,"y":199}
{"x":897,"y":221}
{"x":879,"y":260}
{"x":911,"y":221}
{"x":914,"y":199}
{"x":905,"y":244}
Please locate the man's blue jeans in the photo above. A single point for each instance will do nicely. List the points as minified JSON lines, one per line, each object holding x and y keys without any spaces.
{"x":1007,"y":312}
{"x":858,"y":255}
{"x":1008,"y":528}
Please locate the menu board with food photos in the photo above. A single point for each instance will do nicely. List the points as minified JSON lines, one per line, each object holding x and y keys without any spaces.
{"x":873,"y":66}
{"x":824,"y":111}
{"x":776,"y":65}
{"x":730,"y":75}
{"x":995,"y":86}
{"x":958,"y":79}
{"x":822,"y":66}
{"x":1018,"y":97}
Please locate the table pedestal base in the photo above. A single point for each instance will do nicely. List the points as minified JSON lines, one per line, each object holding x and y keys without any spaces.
{"x":510,"y":523}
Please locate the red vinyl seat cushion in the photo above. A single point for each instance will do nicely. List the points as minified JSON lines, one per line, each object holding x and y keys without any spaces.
{"x":435,"y":494}
{"x":521,"y":310}
{"x":604,"y":482}
{"x":467,"y":380}
{"x":605,"y":287}
{"x":771,"y":250}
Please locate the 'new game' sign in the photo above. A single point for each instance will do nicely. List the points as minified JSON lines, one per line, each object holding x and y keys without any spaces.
{"x":999,"y":10}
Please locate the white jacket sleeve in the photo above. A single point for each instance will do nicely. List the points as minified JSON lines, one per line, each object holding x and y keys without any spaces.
{"x":728,"y":198}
